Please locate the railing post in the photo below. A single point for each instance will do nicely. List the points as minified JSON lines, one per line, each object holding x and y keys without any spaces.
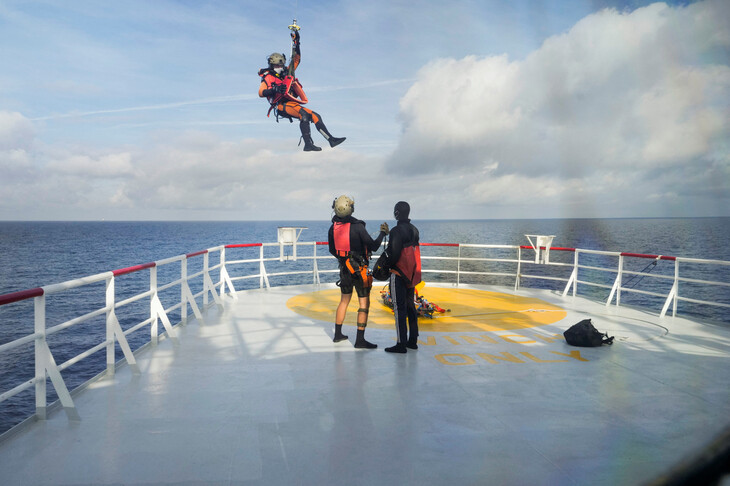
{"x":183,"y":285}
{"x":676,"y":287}
{"x":222,"y":261}
{"x":157,"y":311}
{"x":458,"y":266}
{"x":616,"y":289}
{"x":222,"y":272}
{"x":575,"y":266}
{"x":315,"y":269}
{"x":225,"y":278}
{"x":673,"y":293}
{"x":620,"y":279}
{"x":40,"y":369}
{"x":206,"y":277}
{"x":110,"y":301}
{"x":519,"y":268}
{"x":114,"y":332}
{"x":153,"y":311}
{"x":263,"y":278}
{"x":208,"y":286}
{"x":45,"y":366}
{"x":187,"y":294}
{"x":573,"y":280}
{"x":261,"y":267}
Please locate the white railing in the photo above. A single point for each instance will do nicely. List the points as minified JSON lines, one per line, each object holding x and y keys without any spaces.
{"x":45,"y":363}
{"x":453,"y":265}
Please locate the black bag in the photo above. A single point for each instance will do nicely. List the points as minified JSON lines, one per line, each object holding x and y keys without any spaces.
{"x":585,"y":335}
{"x":381,"y":270}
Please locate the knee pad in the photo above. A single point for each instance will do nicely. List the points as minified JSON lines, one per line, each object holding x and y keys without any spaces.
{"x":305,"y":117}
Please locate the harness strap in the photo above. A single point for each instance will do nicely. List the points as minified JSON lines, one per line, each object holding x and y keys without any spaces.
{"x":280,"y":113}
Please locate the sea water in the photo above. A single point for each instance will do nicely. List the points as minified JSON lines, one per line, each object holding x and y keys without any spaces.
{"x":34,"y":254}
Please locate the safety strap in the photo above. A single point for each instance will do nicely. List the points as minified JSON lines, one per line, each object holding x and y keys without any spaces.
{"x":279,"y":114}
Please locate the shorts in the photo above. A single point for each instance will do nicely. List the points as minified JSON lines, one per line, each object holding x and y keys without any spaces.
{"x":348,"y":281}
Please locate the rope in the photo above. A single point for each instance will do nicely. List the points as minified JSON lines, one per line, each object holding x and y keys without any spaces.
{"x":652,"y":265}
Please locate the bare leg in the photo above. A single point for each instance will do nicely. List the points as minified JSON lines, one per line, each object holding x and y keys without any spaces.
{"x":340,"y":317}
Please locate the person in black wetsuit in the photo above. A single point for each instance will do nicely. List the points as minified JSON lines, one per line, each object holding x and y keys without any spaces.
{"x":404,"y":257}
{"x":351,"y":244}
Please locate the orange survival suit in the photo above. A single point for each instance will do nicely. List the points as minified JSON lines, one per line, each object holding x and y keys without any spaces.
{"x":288,"y":103}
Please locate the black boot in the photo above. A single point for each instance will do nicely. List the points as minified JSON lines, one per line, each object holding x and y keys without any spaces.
{"x":307,"y":137}
{"x":412,"y":342}
{"x":338,"y":334}
{"x":360,"y":341}
{"x":398,"y":348}
{"x":334,"y":141}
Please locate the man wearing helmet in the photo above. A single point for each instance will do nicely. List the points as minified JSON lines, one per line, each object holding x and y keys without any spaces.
{"x":351,"y":244}
{"x":288,"y":103}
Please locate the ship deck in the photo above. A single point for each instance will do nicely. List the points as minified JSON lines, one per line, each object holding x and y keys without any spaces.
{"x":258,"y":394}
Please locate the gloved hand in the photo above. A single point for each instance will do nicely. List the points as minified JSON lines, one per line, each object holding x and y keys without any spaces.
{"x":384,"y":228}
{"x":279,"y":88}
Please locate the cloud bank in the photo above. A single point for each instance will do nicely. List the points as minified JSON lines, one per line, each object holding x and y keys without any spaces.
{"x":621,"y":98}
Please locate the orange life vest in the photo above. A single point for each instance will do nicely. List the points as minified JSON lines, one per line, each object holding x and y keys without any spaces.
{"x":342,"y":238}
{"x":294,"y":93}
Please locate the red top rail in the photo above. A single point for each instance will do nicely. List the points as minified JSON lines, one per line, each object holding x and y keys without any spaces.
{"x":201,"y":252}
{"x":22,"y":295}
{"x":136,"y":268}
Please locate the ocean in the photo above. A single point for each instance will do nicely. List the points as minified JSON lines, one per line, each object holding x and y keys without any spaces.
{"x":34,"y":254}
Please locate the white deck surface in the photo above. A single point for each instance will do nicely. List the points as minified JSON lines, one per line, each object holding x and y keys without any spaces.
{"x":260,"y":395}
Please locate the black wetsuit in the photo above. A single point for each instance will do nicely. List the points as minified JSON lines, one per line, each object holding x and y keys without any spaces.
{"x":401,"y":289}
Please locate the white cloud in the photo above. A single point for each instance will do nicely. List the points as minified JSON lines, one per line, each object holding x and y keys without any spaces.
{"x":628,"y":91}
{"x":247,"y":179}
{"x":89,"y":166}
{"x":16,"y":131}
{"x":683,"y":116}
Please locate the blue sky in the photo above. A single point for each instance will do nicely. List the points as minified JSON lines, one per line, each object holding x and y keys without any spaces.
{"x":138,"y":110}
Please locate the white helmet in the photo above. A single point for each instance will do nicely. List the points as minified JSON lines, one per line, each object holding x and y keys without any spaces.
{"x":276,"y":59}
{"x":343,"y":206}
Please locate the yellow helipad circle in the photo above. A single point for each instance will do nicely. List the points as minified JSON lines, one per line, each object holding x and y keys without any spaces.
{"x":470,"y":310}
